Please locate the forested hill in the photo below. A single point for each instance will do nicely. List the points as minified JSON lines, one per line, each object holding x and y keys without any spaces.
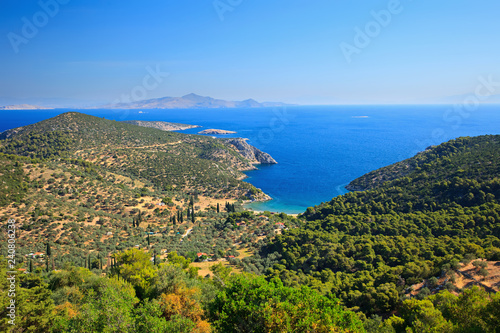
{"x":168,"y":159}
{"x":370,"y":247}
{"x":463,"y":171}
{"x":473,"y":154}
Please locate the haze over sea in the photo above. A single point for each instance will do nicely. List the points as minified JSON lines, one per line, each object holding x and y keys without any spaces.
{"x":319,"y":149}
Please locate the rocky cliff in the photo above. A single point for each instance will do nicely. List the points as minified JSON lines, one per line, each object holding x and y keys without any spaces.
{"x":249,"y":152}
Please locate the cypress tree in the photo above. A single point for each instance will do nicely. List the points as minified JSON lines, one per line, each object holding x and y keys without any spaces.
{"x":90,"y":264}
{"x":218,"y":208}
{"x":148,"y":239}
{"x":47,"y":262}
{"x":48,"y":250}
{"x":154,"y":257}
{"x":192,"y":217}
{"x":31,"y":266}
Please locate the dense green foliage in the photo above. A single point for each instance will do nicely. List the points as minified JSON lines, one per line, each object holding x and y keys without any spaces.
{"x":170,"y":299}
{"x":369,"y":247}
{"x":251,"y":304}
{"x":472,"y":311}
{"x":13,"y":181}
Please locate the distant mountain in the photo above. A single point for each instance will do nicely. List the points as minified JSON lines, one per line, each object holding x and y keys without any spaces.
{"x":23,"y":107}
{"x":191,"y":101}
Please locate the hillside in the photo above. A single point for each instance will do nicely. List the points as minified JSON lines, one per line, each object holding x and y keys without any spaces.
{"x":167,"y":159}
{"x":85,"y":183}
{"x":126,"y":201}
{"x":420,"y":218}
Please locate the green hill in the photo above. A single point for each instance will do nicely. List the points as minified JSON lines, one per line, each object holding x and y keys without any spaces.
{"x":418,"y":219}
{"x":169,"y":160}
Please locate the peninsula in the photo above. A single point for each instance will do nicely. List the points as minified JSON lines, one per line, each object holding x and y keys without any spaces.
{"x":216,"y":131}
{"x":161,"y":125}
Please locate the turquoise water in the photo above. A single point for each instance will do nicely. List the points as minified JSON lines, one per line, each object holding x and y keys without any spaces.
{"x":319,"y":149}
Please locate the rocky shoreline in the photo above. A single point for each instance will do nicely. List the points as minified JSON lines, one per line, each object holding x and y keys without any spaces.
{"x":216,"y":131}
{"x":251,"y":153}
{"x":161,"y":125}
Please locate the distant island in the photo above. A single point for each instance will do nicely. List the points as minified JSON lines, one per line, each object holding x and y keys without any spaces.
{"x":161,"y":125}
{"x":191,"y":101}
{"x":216,"y":131}
{"x":24,"y":107}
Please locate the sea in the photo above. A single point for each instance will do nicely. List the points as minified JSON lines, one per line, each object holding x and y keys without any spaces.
{"x":319,"y":149}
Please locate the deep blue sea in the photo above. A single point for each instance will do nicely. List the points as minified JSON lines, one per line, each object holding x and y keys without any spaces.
{"x":319,"y":149}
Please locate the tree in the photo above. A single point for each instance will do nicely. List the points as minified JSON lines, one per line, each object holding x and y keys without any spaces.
{"x":177,"y":260}
{"x":107,"y":306}
{"x":33,"y":303}
{"x":218,"y":208}
{"x":480,"y":264}
{"x":251,"y":304}
{"x":421,"y":316}
{"x":134,"y":266}
{"x":148,"y":318}
{"x":483,"y":272}
{"x":48,"y":250}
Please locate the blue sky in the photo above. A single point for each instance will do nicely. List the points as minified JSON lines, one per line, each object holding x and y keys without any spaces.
{"x":95,"y":51}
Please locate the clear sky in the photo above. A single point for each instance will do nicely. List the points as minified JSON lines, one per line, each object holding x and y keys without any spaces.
{"x":297,"y":51}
